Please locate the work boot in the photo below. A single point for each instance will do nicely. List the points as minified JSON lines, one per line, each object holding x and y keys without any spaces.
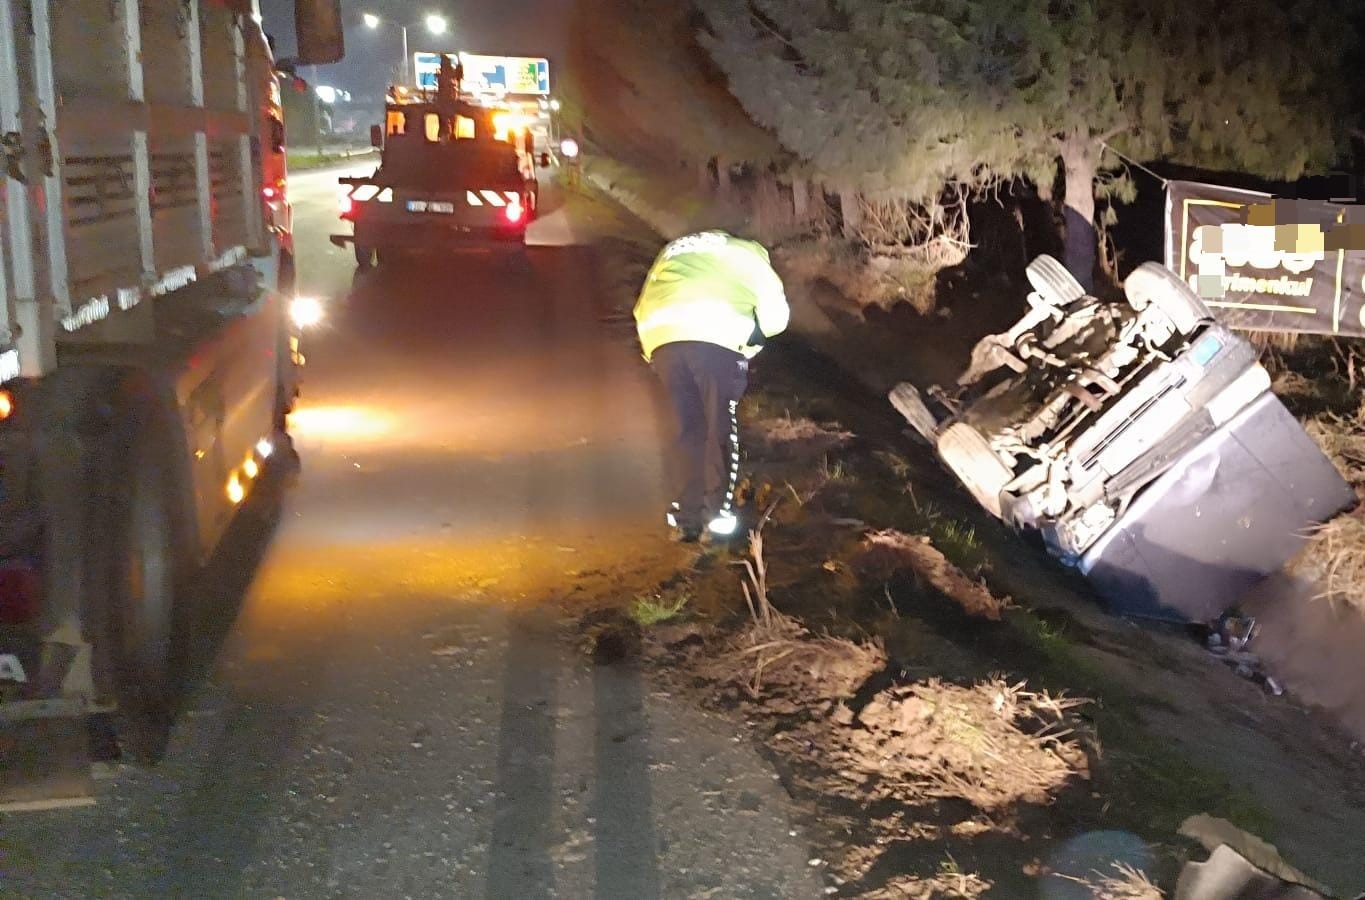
{"x":688,"y":534}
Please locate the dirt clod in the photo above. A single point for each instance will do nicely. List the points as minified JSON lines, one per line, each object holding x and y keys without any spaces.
{"x":993,"y":744}
{"x":889,"y":551}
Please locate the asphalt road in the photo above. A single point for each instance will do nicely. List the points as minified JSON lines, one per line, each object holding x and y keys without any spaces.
{"x":388,"y":709}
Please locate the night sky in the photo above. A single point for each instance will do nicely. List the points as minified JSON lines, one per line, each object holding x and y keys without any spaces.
{"x":510,"y":27}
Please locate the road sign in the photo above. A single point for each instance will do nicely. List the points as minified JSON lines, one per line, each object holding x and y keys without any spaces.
{"x":425,"y":66}
{"x":506,"y":74}
{"x":517,"y":75}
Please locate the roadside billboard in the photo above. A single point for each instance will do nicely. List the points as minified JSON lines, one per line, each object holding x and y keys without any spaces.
{"x":1269,"y":264}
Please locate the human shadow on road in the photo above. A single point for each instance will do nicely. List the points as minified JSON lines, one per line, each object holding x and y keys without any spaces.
{"x":627,"y":851}
{"x":519,"y":864}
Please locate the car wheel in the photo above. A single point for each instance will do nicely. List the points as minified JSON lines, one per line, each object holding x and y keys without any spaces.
{"x":968,"y":454}
{"x":1051,"y":279}
{"x":364,"y":256}
{"x":1152,"y":284}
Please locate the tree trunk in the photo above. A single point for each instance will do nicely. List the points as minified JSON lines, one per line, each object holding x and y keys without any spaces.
{"x":851,"y":211}
{"x":1080,"y":159}
{"x":801,"y":199}
{"x":769,"y":211}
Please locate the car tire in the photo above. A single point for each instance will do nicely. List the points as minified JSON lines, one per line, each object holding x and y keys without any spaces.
{"x":1155,"y":285}
{"x":364,"y":256}
{"x":967,"y":453}
{"x":1051,"y":279}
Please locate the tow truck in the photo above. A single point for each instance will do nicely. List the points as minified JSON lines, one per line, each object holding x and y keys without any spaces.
{"x":147,"y":357}
{"x":453,"y":173}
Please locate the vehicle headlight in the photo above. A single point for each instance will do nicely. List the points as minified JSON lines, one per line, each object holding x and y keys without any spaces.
{"x":305,"y":311}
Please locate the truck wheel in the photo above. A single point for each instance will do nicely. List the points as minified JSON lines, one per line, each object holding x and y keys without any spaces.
{"x":1051,"y":279}
{"x":968,"y":454}
{"x":145,"y":571}
{"x":364,"y":256}
{"x":1154,"y":284}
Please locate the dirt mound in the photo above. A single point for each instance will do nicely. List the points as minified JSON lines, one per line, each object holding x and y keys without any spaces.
{"x":889,"y":551}
{"x":993,"y":744}
{"x":796,"y":436}
{"x":778,"y":655}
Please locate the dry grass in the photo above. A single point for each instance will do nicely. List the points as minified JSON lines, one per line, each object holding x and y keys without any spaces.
{"x":776,"y":652}
{"x":1342,"y":438}
{"x":888,"y":551}
{"x":1124,"y":883}
{"x":994,"y":744}
{"x":1335,"y":556}
{"x":882,"y":281}
{"x":780,"y":432}
{"x":946,"y":885}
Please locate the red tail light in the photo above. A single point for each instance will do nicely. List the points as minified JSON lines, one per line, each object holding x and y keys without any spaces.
{"x":515,"y":213}
{"x":346,"y":204}
{"x":268,"y":193}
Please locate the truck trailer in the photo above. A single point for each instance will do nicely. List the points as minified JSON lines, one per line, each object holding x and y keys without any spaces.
{"x":147,"y":356}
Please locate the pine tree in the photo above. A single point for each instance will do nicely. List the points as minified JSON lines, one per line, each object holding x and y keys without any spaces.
{"x":897,"y":97}
{"x":644,"y":88}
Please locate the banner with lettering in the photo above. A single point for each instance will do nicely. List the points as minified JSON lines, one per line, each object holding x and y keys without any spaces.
{"x":1269,"y":264}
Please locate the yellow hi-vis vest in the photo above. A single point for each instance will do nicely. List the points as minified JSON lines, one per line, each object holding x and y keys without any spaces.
{"x":711,"y":287}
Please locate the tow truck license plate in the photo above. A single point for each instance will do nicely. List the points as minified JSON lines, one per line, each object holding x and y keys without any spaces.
{"x":435,"y":206}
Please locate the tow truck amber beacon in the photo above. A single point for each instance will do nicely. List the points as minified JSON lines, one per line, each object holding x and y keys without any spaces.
{"x":147,"y":351}
{"x":453,"y":173}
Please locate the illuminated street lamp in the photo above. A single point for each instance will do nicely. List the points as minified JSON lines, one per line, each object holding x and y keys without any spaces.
{"x":434,"y":24}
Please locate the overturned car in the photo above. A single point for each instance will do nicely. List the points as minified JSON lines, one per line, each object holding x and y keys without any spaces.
{"x":1140,"y":439}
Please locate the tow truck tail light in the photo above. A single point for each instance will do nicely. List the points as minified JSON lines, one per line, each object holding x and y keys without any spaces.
{"x":346,"y":205}
{"x":514,"y":213}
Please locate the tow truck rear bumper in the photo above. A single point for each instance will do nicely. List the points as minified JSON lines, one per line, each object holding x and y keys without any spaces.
{"x":420,"y":239}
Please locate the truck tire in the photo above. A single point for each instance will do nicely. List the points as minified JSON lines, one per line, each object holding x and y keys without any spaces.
{"x":144,"y":566}
{"x":364,"y":256}
{"x":1153,"y":284}
{"x":966,"y":452}
{"x":1051,"y":279}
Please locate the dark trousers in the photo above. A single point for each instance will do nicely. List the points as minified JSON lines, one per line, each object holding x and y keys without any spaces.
{"x":705,"y":383}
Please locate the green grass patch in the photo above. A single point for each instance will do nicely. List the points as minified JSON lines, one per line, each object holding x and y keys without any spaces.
{"x":650,"y":611}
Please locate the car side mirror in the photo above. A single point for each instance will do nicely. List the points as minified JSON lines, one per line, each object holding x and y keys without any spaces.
{"x":376,"y":135}
{"x":545,"y":160}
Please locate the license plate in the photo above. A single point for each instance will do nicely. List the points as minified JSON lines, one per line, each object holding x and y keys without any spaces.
{"x":430,"y":206}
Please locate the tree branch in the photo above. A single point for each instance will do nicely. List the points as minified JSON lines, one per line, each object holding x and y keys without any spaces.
{"x":1113,"y":133}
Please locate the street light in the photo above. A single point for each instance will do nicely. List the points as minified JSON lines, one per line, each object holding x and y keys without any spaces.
{"x":434,"y":24}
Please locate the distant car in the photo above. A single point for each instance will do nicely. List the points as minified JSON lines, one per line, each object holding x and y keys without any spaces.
{"x":446,"y":180}
{"x":1140,"y":439}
